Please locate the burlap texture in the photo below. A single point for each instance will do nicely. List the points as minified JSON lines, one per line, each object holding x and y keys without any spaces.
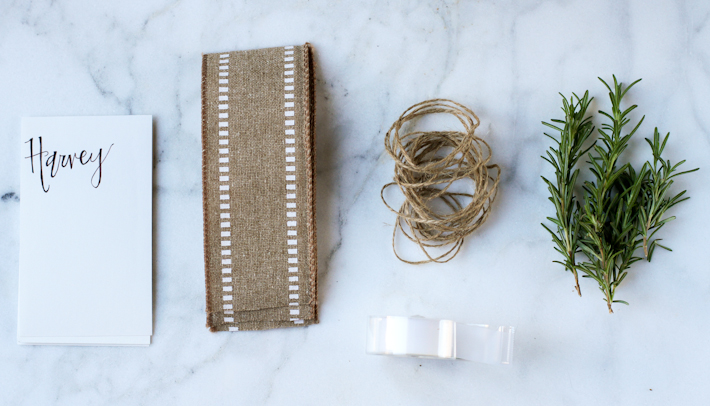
{"x":257,"y":151}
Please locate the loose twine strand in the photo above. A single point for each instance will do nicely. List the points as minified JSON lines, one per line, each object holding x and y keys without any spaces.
{"x":424,"y":176}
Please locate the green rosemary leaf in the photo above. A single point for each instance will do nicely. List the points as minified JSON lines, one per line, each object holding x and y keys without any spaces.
{"x":553,"y":127}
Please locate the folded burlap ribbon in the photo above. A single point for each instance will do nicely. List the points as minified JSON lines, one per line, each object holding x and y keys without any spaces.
{"x":258,"y":110}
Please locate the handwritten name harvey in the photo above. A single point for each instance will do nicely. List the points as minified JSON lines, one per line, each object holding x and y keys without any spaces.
{"x":54,"y":161}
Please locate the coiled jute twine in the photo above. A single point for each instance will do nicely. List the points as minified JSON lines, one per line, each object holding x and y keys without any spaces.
{"x":424,"y":176}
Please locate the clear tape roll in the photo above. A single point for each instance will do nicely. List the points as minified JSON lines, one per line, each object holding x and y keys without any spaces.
{"x":441,"y":339}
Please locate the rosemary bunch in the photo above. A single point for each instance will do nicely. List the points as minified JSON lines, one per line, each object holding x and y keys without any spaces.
{"x":622,"y":209}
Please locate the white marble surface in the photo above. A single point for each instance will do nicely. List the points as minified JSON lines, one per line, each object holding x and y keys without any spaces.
{"x":507,"y":60}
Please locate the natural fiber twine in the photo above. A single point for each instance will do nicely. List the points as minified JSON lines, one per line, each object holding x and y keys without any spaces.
{"x":425,"y":176}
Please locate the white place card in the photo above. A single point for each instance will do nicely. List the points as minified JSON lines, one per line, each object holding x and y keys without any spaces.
{"x":86,"y":231}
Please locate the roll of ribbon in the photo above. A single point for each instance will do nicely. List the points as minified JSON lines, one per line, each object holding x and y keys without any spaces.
{"x":440,"y":339}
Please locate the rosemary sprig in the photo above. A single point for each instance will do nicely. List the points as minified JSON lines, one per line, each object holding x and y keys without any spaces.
{"x":622,"y":209}
{"x":575,"y":130}
{"x":610,"y":212}
{"x":654,"y":200}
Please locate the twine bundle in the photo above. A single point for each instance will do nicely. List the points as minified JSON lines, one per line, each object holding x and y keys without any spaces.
{"x":425,"y":176}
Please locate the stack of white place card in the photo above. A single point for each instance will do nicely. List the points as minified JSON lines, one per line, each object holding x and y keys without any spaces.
{"x":86,"y":231}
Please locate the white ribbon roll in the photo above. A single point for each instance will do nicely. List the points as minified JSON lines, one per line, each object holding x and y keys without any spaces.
{"x":441,"y":339}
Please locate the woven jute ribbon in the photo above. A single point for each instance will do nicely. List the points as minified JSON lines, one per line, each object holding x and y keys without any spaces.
{"x":258,"y":110}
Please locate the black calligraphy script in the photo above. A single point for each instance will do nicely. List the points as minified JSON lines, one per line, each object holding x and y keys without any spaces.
{"x":55,"y":161}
